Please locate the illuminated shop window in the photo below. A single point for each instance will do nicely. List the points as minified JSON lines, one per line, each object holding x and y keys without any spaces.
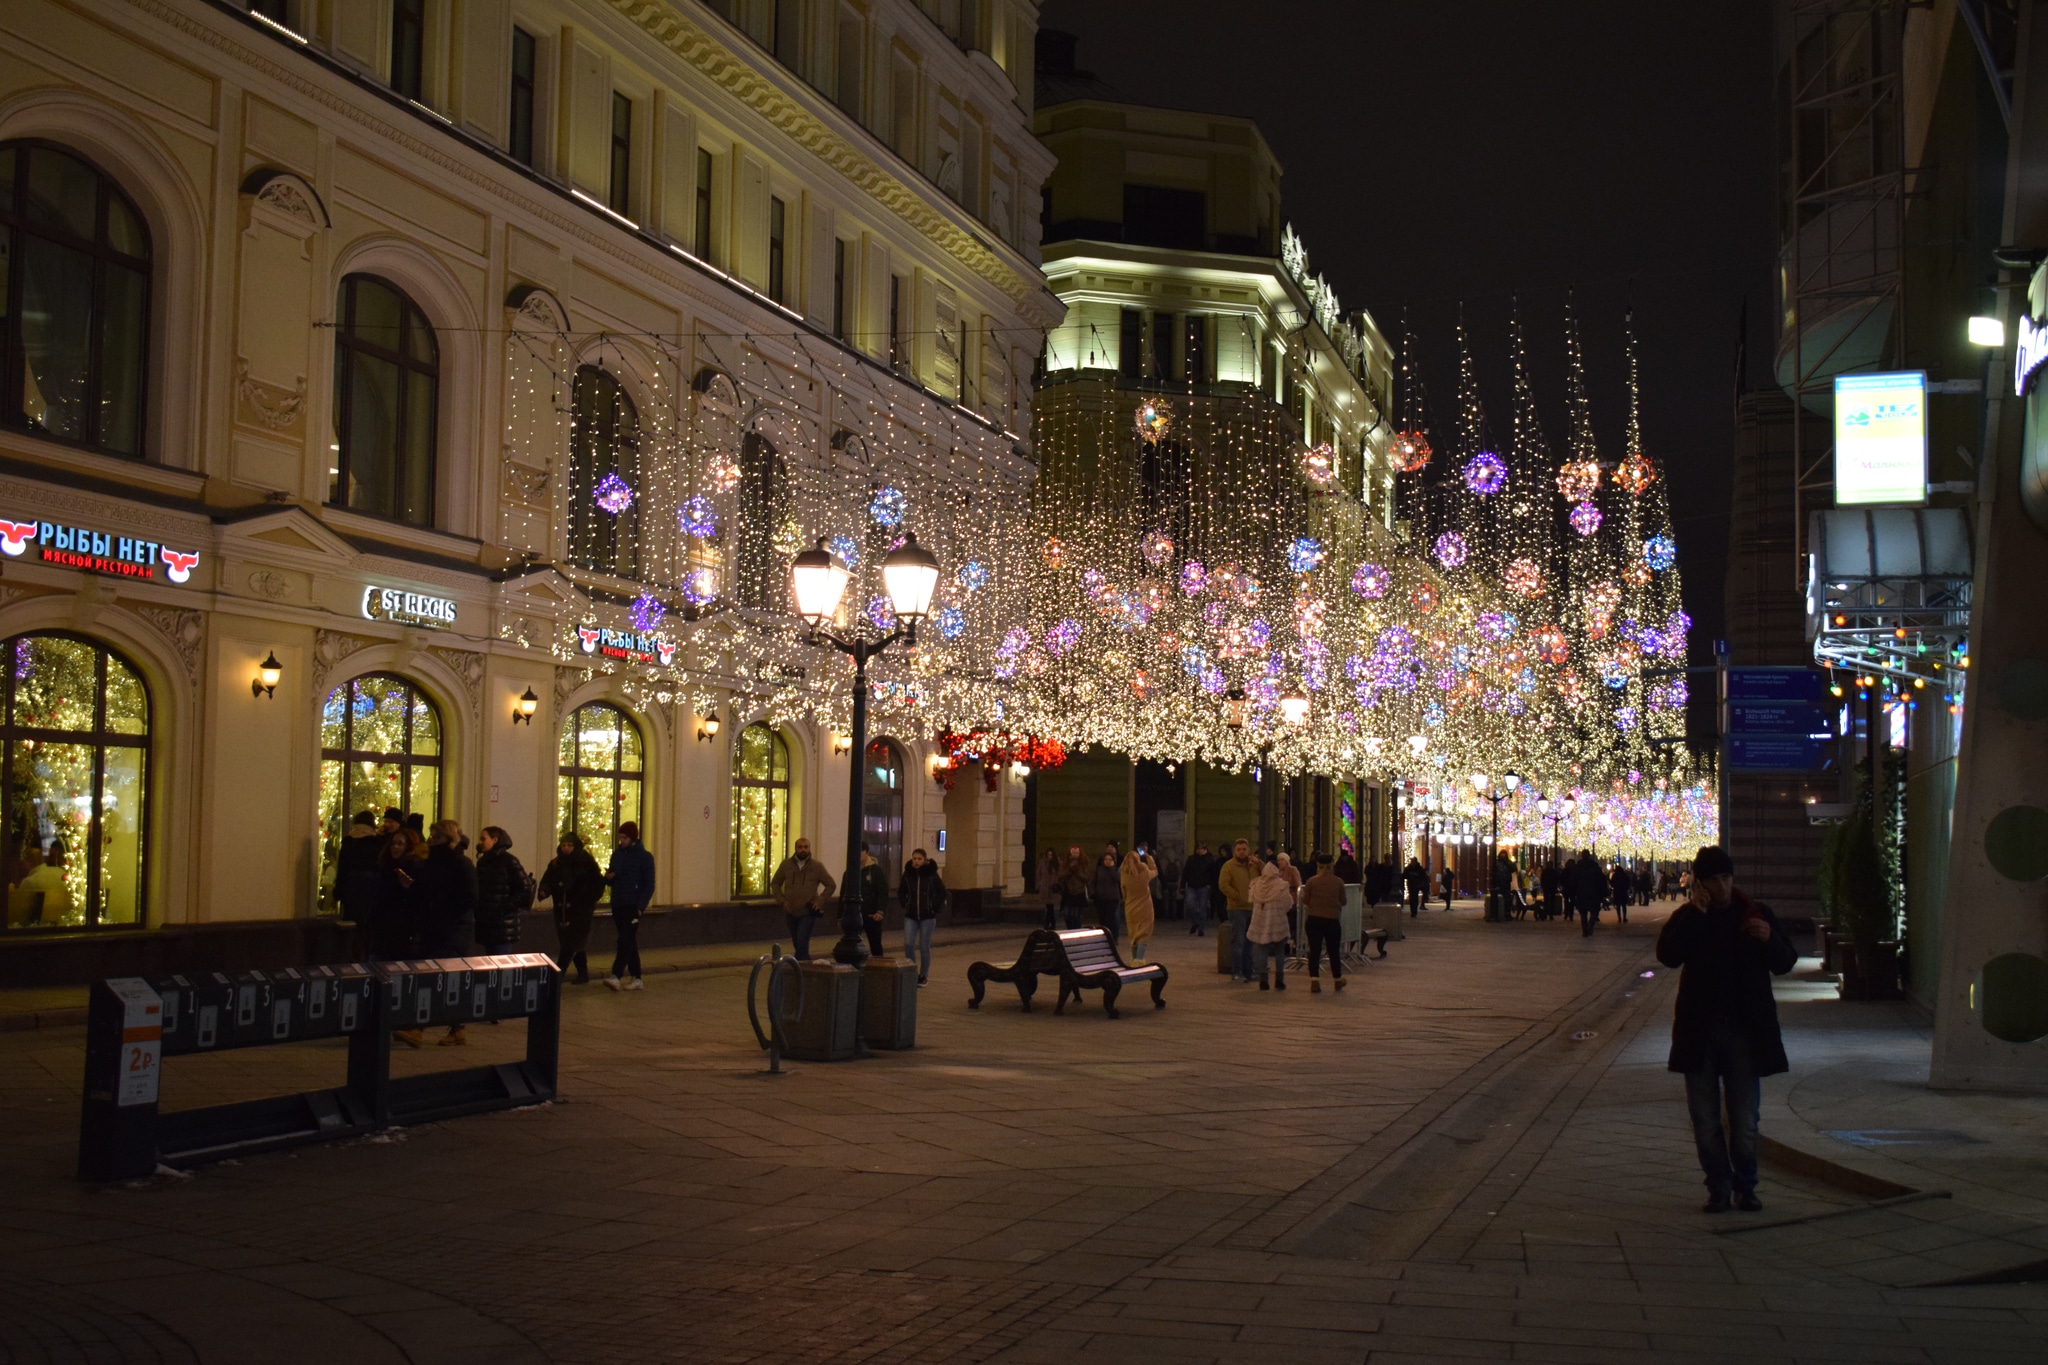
{"x":598,"y":783}
{"x":380,"y":748}
{"x":75,"y":788}
{"x":760,"y":809}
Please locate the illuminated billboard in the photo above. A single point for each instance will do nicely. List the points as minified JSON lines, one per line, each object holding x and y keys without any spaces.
{"x":1880,"y":438}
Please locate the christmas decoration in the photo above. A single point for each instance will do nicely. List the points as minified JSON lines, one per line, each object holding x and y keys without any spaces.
{"x":613,"y":494}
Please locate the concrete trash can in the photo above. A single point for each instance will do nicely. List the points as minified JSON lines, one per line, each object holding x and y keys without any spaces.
{"x":1387,"y":915}
{"x":821,"y":1012}
{"x":888,"y":1002}
{"x":1224,"y":932}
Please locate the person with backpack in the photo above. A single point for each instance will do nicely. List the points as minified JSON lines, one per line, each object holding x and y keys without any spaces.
{"x":574,"y":884}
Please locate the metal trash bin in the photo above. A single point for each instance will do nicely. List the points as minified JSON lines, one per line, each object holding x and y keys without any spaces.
{"x":888,"y":1003}
{"x":821,"y":1012}
{"x":1225,"y":933}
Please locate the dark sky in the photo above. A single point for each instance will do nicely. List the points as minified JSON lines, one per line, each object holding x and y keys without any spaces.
{"x":1437,"y":152}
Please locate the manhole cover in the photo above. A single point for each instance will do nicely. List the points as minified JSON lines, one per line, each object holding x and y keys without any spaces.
{"x":1897,"y":1137}
{"x":1583,"y":1034}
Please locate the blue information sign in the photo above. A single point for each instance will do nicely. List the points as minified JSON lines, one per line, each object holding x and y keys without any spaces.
{"x":1776,"y":684}
{"x":1776,"y":753}
{"x":1779,"y":718}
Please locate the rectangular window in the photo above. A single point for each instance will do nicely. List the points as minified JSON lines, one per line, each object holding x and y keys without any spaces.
{"x":1130,"y":347}
{"x":789,"y":36}
{"x":620,"y":199}
{"x":839,"y":287}
{"x":898,"y":353}
{"x":1194,"y":349}
{"x":524,"y":60}
{"x":778,"y":214}
{"x":903,"y":108}
{"x":1162,"y":346}
{"x":277,"y":11}
{"x":408,"y":45}
{"x":1156,"y":216}
{"x":852,"y":51}
{"x":702,"y":238}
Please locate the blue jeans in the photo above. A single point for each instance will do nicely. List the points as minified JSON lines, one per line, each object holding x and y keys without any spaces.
{"x":1727,"y":1157}
{"x":800,"y":927}
{"x":917,"y":944}
{"x":1198,"y":907}
{"x":1240,"y":946}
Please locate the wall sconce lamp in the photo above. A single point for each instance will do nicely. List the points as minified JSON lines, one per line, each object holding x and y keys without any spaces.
{"x":707,"y":728}
{"x":524,"y":707}
{"x":841,"y":743}
{"x":264,"y":684}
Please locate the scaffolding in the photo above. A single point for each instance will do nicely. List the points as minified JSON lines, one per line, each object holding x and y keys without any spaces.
{"x":1841,"y":278}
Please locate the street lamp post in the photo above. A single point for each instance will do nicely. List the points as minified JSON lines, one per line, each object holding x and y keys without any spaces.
{"x":1495,"y":794}
{"x":910,"y":574}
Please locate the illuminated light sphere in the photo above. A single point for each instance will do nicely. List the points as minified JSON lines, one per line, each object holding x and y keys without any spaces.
{"x":1625,"y":718}
{"x":1371,"y":580}
{"x":1212,"y":679}
{"x":1497,"y":626}
{"x":646,"y":612}
{"x":701,"y":587}
{"x":1063,"y":636}
{"x":1636,"y":574}
{"x":1450,"y":550}
{"x":845,"y":549}
{"x":1578,"y":480}
{"x":952,"y":623}
{"x":1156,"y":548}
{"x":1194,"y":577}
{"x":1193,"y":659}
{"x":1605,"y":596}
{"x":698,"y":517}
{"x":613,"y":494}
{"x":1308,"y":618}
{"x":1259,"y":633}
{"x":1154,"y":419}
{"x":972,"y":576}
{"x":1552,"y":645}
{"x":1054,"y":553}
{"x":1660,"y":553}
{"x":1486,"y":473}
{"x":1585,"y":518}
{"x":1304,"y":555}
{"x":1215,"y":614}
{"x":1423,"y":598}
{"x":1410,"y":451}
{"x":888,"y":506}
{"x":1319,"y":466}
{"x":1524,"y":579}
{"x":722,"y":473}
{"x":1635,"y":473}
{"x":789,"y":538}
{"x":1014,"y":640}
{"x":881,"y":615}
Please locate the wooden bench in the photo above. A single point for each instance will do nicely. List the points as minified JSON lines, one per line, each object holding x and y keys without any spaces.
{"x":1082,"y":959}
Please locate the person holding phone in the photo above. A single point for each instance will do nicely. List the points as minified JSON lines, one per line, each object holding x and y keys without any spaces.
{"x":1724,"y":1035}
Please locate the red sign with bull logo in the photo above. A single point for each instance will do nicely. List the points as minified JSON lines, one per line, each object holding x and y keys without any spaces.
{"x":633,"y":646}
{"x":74,"y":547}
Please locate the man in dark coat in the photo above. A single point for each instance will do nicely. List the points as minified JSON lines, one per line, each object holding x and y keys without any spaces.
{"x":1198,"y":885}
{"x":1725,"y":1037}
{"x":1623,"y":885}
{"x":355,"y":873}
{"x":1415,"y":880}
{"x":1551,"y":880}
{"x":1585,"y":885}
{"x":631,"y":875}
{"x":575,"y":883}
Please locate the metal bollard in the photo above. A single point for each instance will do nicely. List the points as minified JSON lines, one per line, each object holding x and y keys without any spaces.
{"x":771,"y":1041}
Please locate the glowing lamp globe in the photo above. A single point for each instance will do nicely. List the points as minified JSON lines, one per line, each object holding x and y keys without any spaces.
{"x":819,"y":581}
{"x":1294,"y":708}
{"x":911,"y":574}
{"x":1511,"y":780}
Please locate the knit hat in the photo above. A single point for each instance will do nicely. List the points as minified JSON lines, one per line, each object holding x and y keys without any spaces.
{"x":394,"y":815}
{"x":1712,"y":861}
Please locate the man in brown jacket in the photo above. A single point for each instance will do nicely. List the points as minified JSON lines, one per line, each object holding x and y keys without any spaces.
{"x":1322,"y":911}
{"x":801,"y":884}
{"x":1235,"y":882}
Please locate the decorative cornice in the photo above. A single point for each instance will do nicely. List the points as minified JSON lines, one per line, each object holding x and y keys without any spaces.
{"x":698,"y":48}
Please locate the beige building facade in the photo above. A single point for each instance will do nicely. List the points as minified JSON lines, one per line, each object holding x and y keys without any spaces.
{"x":384,"y":342}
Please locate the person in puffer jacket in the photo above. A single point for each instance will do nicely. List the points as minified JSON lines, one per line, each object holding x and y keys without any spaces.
{"x":503,"y":892}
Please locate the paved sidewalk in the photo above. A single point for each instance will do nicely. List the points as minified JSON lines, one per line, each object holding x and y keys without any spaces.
{"x":1472,"y":1153}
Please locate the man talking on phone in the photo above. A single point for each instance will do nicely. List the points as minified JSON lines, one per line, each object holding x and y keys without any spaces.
{"x":1724,"y":1038}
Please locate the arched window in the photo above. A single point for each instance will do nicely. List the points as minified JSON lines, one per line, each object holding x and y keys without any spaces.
{"x":881,"y":815}
{"x":760,"y":809}
{"x":761,"y":562}
{"x":598,"y":786}
{"x":380,"y":748}
{"x":604,"y":477}
{"x":76,"y":783}
{"x":74,"y":301}
{"x":387,"y":380}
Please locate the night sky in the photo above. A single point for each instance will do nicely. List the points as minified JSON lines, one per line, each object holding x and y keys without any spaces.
{"x":1437,"y":153}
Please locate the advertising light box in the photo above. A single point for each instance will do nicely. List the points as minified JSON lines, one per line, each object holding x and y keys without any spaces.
{"x":1881,"y":439}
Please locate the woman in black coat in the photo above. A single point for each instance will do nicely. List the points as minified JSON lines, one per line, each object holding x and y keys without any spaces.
{"x":923,"y":894}
{"x":502,"y":891}
{"x":1106,"y":889}
{"x":574,"y":883}
{"x":394,"y":928}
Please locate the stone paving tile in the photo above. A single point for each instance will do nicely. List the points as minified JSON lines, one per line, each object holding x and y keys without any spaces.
{"x":1025,"y":1189}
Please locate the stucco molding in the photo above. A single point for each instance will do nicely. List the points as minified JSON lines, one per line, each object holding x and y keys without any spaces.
{"x":183,"y":629}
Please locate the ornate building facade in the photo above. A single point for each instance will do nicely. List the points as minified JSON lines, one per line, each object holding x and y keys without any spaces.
{"x":468,"y":372}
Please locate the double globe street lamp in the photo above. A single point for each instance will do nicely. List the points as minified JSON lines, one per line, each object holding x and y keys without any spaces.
{"x":910,"y":575}
{"x":1496,"y":792}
